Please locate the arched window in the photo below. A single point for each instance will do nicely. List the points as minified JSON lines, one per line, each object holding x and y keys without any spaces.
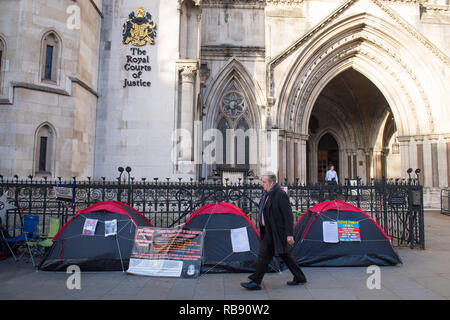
{"x":44,"y":142}
{"x":50,"y":53}
{"x":236,"y":141}
{"x":223,"y":126}
{"x":242,"y":144}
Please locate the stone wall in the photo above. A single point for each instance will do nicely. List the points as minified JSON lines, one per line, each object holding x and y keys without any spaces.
{"x":66,"y":104}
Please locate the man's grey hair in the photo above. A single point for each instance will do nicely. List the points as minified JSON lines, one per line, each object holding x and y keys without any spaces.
{"x":272,"y":177}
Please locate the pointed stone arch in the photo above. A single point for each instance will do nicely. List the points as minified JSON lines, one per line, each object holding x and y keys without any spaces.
{"x":234,"y":85}
{"x":370,"y":45}
{"x":50,"y":73}
{"x":44,"y":153}
{"x":233,"y":76}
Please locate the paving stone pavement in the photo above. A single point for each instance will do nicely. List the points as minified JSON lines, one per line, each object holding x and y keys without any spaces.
{"x":425,"y":274}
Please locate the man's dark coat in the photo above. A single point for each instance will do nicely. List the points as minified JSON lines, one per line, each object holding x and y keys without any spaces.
{"x":278,"y":220}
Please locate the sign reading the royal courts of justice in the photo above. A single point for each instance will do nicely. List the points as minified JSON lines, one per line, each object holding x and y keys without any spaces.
{"x":138,"y":30}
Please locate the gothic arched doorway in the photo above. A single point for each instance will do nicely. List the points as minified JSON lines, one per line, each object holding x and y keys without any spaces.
{"x":351,"y":127}
{"x":327,"y":155}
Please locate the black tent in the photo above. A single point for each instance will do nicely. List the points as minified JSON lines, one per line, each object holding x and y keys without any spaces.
{"x":359,"y":239}
{"x":98,"y":238}
{"x":218,"y":220}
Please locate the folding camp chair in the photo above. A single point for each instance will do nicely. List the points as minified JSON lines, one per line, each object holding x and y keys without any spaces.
{"x":29,"y":232}
{"x":47,"y":240}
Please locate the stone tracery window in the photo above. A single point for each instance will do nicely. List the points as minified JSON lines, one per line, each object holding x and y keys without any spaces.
{"x":232,"y":120}
{"x":233,"y":105}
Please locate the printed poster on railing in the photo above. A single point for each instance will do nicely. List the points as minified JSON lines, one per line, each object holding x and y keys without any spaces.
{"x":161,"y":252}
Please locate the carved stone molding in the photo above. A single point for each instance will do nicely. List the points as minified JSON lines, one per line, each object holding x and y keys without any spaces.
{"x":188,"y":74}
{"x":403,"y":140}
{"x":234,"y":3}
{"x":196,"y":2}
{"x":435,"y":50}
{"x":188,"y":70}
{"x":284,"y":2}
{"x":234,"y":51}
{"x":357,"y":42}
{"x":318,"y":70}
{"x":435,"y":8}
{"x":332,"y":17}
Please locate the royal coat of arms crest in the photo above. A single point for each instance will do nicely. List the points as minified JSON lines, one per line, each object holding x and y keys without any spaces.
{"x":139,"y":28}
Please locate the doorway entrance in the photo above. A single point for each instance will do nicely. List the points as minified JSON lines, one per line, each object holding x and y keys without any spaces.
{"x":327,"y":155}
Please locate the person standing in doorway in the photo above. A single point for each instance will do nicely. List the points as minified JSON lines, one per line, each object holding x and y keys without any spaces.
{"x":276,"y":229}
{"x":331,"y":177}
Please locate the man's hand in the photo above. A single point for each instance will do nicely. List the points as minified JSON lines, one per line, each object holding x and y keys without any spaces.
{"x":290,"y":240}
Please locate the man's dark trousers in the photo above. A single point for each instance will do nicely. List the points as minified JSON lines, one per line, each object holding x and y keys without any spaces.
{"x":265,"y":256}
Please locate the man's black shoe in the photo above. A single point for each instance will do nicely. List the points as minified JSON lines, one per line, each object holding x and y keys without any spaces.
{"x":295,"y":282}
{"x":251,"y":285}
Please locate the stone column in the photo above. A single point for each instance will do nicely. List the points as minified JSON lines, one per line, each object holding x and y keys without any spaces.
{"x":404,"y":154}
{"x":188,"y":71}
{"x":377,"y":165}
{"x":434,"y":141}
{"x":281,"y":157}
{"x":290,"y":173}
{"x":447,"y":158}
{"x":419,"y":148}
{"x":313,"y":169}
{"x":442,"y":161}
{"x":384,"y":155}
{"x":368,"y":159}
{"x":349,"y":163}
{"x":343,"y":163}
{"x":302,"y":158}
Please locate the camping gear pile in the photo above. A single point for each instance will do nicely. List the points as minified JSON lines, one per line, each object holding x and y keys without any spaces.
{"x":102,"y":237}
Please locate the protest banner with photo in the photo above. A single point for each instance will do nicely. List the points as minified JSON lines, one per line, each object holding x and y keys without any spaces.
{"x":163,"y":252}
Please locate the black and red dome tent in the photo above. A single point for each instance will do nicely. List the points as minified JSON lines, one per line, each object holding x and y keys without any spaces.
{"x":217,"y":220}
{"x":369,"y":246}
{"x":95,"y":252}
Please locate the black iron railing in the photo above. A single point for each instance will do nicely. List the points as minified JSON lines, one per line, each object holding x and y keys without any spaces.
{"x":396,"y":205}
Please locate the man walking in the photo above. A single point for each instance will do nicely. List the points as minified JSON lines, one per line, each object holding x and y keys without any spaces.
{"x":276,"y":229}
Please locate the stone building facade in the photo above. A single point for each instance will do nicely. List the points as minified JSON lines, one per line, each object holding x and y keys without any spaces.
{"x":48,"y":81}
{"x":232,"y":88}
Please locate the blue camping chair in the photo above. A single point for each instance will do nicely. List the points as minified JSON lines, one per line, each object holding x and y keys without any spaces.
{"x":29,"y":232}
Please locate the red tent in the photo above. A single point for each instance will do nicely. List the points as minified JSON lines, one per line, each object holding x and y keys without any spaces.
{"x":99,"y":249}
{"x":219,"y":221}
{"x":222,"y":208}
{"x":358,"y":239}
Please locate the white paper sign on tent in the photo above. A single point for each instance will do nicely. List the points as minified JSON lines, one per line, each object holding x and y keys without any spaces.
{"x":89,"y":227}
{"x":239,"y":240}
{"x":110,"y":228}
{"x":330,"y":232}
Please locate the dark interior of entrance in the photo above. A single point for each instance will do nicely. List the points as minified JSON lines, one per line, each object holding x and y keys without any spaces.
{"x":327,"y":155}
{"x":352,"y":111}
